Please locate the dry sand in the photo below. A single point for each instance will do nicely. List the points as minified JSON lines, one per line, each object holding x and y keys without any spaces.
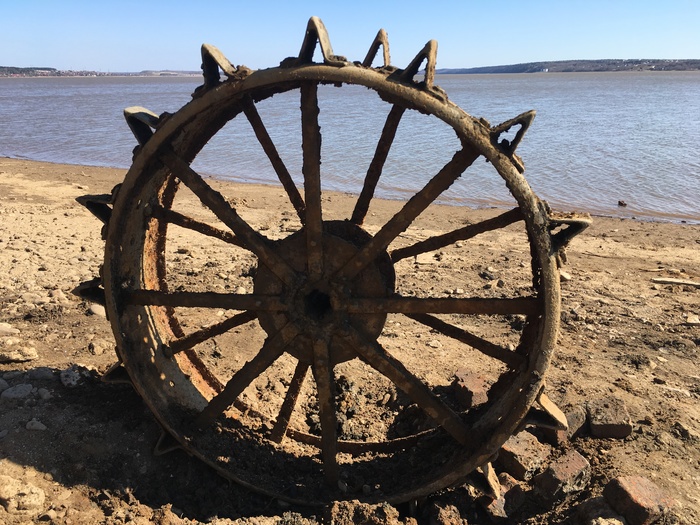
{"x":88,"y":448}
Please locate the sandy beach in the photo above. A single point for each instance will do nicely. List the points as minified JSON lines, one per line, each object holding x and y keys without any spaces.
{"x":629,"y":332}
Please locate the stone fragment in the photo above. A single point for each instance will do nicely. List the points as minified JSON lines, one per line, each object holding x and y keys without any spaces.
{"x":4,"y":385}
{"x":20,"y":391}
{"x":568,"y":474}
{"x":576,"y":418}
{"x":42,"y":373}
{"x":523,"y":455}
{"x":20,"y":498}
{"x":638,"y":499}
{"x":18,"y":354}
{"x":75,"y":375}
{"x":34,"y":424}
{"x":97,"y":309}
{"x":609,"y":418}
{"x":7,"y":329}
{"x":596,"y":510}
{"x":470,"y":389}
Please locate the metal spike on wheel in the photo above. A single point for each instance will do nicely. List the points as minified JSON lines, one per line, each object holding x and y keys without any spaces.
{"x":261,"y":392}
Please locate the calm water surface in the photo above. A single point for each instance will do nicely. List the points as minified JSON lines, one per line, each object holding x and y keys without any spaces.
{"x":597,"y":138}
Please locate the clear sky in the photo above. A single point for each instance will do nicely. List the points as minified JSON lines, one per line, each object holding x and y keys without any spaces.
{"x":129,"y":35}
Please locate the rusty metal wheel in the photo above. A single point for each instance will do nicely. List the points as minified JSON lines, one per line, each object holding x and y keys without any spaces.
{"x":273,"y":374}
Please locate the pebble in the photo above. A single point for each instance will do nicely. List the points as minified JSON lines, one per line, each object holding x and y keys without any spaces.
{"x":8,"y":329}
{"x":34,"y":424}
{"x":44,"y":394}
{"x":434,"y":344}
{"x":42,"y":373}
{"x":20,"y":391}
{"x":97,"y":309}
{"x":4,"y":385}
{"x":564,"y":276}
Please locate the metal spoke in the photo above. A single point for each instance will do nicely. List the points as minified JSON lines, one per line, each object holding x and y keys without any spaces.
{"x":184,"y":221}
{"x":311,"y":146}
{"x":442,"y":305}
{"x":195,"y":338}
{"x":290,"y":401}
{"x":512,"y":359}
{"x":272,"y":349}
{"x":251,"y":239}
{"x":226,"y":301}
{"x":376,"y":166}
{"x":323,"y":374}
{"x":268,"y":146}
{"x":379,"y":359}
{"x":414,"y":207}
{"x":462,"y":234}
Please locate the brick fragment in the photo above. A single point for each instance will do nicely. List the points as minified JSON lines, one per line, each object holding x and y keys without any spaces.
{"x":638,"y":499}
{"x":470,"y":389}
{"x":609,"y":418}
{"x":568,"y":474}
{"x":522,"y":455}
{"x":577,"y":419}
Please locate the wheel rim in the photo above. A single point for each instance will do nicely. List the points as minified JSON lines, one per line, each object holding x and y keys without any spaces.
{"x":320,"y":299}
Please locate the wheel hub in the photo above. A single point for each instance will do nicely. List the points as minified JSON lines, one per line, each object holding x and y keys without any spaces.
{"x":317,"y":307}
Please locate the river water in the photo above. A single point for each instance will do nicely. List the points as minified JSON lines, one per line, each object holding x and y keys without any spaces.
{"x":598,"y":138}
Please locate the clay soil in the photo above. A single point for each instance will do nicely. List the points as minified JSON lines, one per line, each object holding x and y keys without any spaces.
{"x":89,"y":445}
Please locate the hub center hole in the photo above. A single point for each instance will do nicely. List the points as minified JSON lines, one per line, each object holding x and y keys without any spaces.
{"x":317,"y":305}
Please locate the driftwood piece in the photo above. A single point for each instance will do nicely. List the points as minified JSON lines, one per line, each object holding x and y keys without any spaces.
{"x":671,"y":280}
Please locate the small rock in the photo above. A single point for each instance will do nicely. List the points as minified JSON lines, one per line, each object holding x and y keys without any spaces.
{"x":622,"y":204}
{"x":44,"y":394}
{"x":34,"y":424}
{"x":20,"y":391}
{"x":97,"y":309}
{"x":434,"y":343}
{"x":425,"y":258}
{"x":20,"y":498}
{"x":58,"y":296}
{"x":4,"y":385}
{"x":75,"y":375}
{"x":19,"y":355}
{"x":564,"y":276}
{"x":42,"y":373}
{"x":95,"y":348}
{"x":8,"y":329}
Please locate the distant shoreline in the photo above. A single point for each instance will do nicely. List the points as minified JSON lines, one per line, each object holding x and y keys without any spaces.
{"x":559,"y":66}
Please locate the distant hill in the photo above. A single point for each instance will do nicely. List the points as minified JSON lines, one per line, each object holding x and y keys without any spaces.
{"x":9,"y":71}
{"x":578,"y":66}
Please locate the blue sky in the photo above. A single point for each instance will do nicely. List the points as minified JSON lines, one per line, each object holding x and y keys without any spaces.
{"x":133,"y":35}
